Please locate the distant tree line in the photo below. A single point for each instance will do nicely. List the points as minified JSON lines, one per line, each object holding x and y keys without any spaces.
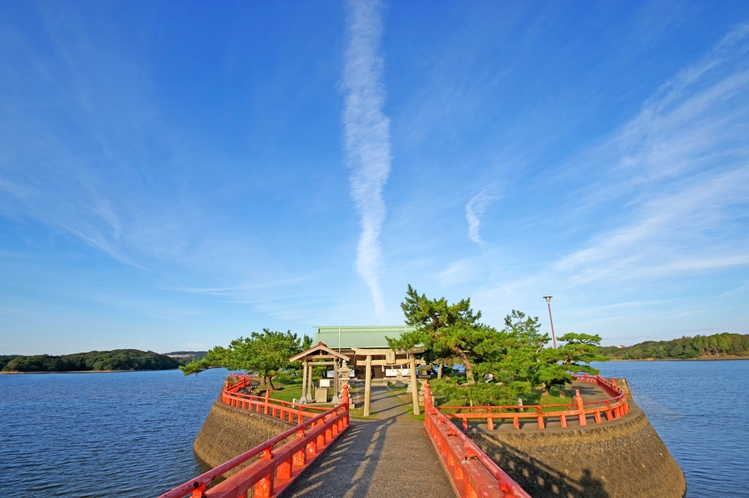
{"x":119,"y":359}
{"x":700,"y":346}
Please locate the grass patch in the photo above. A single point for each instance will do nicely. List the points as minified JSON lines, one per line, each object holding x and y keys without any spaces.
{"x":286,"y":389}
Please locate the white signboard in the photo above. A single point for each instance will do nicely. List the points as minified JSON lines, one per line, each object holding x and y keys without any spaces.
{"x":393,"y":372}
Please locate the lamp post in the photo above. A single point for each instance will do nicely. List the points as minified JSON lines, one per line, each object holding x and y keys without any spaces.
{"x":553,"y":337}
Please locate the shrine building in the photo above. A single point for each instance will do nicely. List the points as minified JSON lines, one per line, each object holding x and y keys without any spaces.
{"x":361,"y":353}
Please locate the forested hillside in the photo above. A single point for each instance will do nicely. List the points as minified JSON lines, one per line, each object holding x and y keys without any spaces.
{"x":710,"y":346}
{"x":119,"y":359}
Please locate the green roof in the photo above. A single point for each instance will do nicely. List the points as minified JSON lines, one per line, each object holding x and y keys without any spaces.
{"x":358,"y":337}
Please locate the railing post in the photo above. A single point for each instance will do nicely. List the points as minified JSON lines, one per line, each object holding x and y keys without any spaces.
{"x":470,"y":492}
{"x":539,"y":418}
{"x":264,"y":487}
{"x":489,"y":420}
{"x":311,"y":449}
{"x":321,"y":441}
{"x":284,"y":470}
{"x":267,"y":399}
{"x":346,"y":404}
{"x":198,"y":492}
{"x":299,"y":457}
{"x":580,"y":408}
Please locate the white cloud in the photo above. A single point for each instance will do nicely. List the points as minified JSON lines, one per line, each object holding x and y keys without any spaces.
{"x":476,"y":208}
{"x":367,"y":136}
{"x":680,"y":172}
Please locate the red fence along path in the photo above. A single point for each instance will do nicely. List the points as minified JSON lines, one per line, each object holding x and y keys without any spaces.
{"x":611,"y":408}
{"x":473,"y":474}
{"x":277,"y":467}
{"x":276,"y":408}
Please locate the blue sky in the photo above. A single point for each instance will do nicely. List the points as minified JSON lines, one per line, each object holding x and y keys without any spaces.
{"x":174,"y":175}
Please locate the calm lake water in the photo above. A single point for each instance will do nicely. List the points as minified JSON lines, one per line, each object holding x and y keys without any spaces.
{"x":701,"y":411}
{"x":101,"y":434}
{"x":131,"y":434}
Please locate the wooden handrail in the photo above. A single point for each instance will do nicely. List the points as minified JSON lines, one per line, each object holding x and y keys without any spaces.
{"x":277,"y":467}
{"x":472,"y":473}
{"x":611,"y":408}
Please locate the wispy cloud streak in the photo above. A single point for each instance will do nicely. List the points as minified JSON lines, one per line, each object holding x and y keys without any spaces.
{"x":367,"y":136}
{"x":682,"y":166}
{"x":475,"y":210}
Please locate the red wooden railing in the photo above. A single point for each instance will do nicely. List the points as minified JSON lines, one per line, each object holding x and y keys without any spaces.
{"x":265,"y":404}
{"x":610,"y":408}
{"x":473,"y":474}
{"x":282,"y":458}
{"x":236,"y":382}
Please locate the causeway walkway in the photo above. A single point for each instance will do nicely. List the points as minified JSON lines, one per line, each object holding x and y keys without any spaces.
{"x":390,"y":456}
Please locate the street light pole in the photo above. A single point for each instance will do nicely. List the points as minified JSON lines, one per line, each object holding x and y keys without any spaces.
{"x":553,"y":337}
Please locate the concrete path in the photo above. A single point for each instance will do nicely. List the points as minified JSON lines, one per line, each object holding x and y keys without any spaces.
{"x":388,"y":457}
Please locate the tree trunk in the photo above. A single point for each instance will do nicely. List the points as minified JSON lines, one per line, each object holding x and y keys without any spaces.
{"x":468,"y":366}
{"x":439,"y":370}
{"x":268,"y":381}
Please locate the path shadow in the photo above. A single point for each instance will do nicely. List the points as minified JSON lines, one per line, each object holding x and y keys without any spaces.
{"x":539,"y":479}
{"x":386,"y":404}
{"x":347,"y":467}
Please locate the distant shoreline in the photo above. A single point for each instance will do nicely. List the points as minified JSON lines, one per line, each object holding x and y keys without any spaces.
{"x":89,"y":371}
{"x":705,"y":358}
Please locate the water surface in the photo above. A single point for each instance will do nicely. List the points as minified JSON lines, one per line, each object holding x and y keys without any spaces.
{"x":701,"y":411}
{"x":101,"y":434}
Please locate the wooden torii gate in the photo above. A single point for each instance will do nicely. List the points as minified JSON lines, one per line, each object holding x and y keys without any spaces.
{"x":388,"y":357}
{"x":319,"y":355}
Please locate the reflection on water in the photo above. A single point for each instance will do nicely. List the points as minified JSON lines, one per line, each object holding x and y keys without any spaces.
{"x":701,"y":411}
{"x":103,"y":434}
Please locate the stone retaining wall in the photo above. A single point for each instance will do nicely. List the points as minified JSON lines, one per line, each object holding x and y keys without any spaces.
{"x":229,"y":431}
{"x":621,"y":458}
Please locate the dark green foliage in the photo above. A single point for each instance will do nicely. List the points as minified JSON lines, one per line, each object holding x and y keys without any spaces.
{"x":711,"y":346}
{"x":265,"y":353}
{"x":447,"y":331}
{"x":557,"y":366}
{"x":119,"y":359}
{"x":484,"y":393}
{"x":4,"y":359}
{"x":499,"y":365}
